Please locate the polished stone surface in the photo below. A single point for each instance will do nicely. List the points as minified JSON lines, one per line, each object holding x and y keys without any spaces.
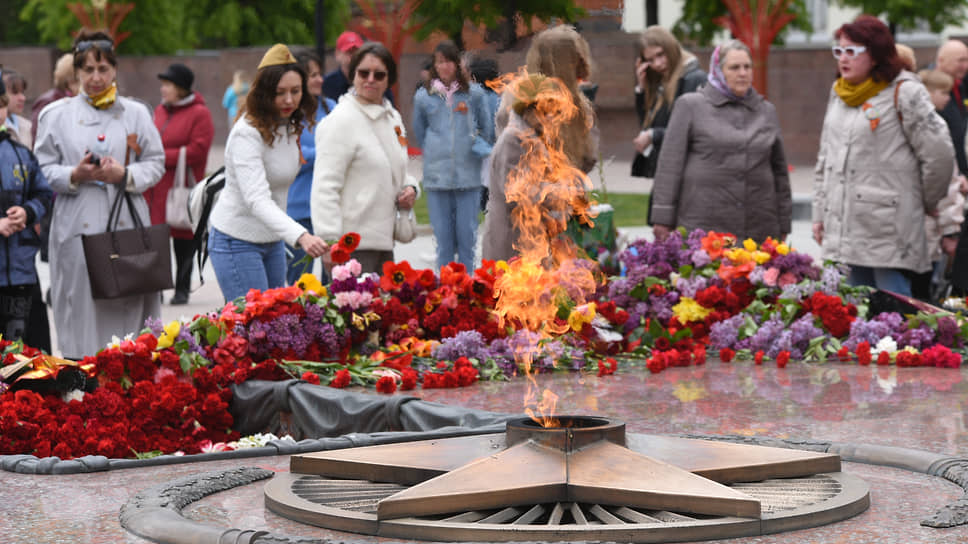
{"x":907,"y":407}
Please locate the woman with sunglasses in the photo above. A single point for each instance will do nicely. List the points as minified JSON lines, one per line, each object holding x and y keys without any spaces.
{"x":450,"y":125}
{"x":90,"y":146}
{"x":664,"y":71}
{"x":885,"y":160}
{"x":249,"y":225}
{"x":360,"y":178}
{"x":722,"y":165}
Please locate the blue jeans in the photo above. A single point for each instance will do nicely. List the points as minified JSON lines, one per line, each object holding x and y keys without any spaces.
{"x":240,"y":265}
{"x":887,"y":279}
{"x":295,"y":270}
{"x":453,"y":215}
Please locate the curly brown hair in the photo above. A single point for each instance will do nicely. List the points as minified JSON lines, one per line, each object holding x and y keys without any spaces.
{"x":260,"y":106}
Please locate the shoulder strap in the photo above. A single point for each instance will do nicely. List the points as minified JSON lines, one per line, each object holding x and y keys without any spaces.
{"x":200,"y":238}
{"x":897,"y":89}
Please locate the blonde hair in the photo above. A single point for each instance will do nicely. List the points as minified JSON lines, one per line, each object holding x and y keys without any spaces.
{"x":660,"y":89}
{"x":936,"y":80}
{"x":562,"y":53}
{"x":239,"y":83}
{"x":64,"y":71}
{"x":907,"y":56}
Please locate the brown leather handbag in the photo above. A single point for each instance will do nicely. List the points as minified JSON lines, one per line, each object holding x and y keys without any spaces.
{"x":122,"y":263}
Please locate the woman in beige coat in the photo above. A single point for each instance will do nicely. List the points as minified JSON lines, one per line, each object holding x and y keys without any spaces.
{"x":722,"y":165}
{"x":885,"y":160}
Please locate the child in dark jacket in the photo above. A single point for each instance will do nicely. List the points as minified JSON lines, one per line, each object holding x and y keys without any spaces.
{"x":24,"y":199}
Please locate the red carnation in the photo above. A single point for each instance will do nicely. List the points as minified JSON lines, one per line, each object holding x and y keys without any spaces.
{"x":782,"y":359}
{"x":843,"y":354}
{"x":883,"y":358}
{"x":758,"y":358}
{"x":607,"y":367}
{"x":726,"y":355}
{"x":409,"y":380}
{"x":338,"y":254}
{"x":386,"y":384}
{"x":341,"y":379}
{"x":863,"y":353}
{"x":310,"y":377}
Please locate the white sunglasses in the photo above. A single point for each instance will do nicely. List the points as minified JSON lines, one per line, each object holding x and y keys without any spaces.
{"x":851,"y":51}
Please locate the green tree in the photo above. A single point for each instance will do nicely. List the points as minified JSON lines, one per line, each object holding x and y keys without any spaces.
{"x":908,"y":13}
{"x":698,"y":22}
{"x":449,"y":16}
{"x":173,"y":25}
{"x":13,"y":31}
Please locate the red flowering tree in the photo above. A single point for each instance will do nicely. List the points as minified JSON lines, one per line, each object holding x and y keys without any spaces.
{"x":390,"y":23}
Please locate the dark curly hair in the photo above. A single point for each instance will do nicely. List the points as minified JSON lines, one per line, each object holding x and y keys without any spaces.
{"x":260,"y":106}
{"x":873,"y":34}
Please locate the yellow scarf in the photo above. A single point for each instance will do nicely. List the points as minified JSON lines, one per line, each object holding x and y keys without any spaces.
{"x":855,"y":95}
{"x":104,"y":99}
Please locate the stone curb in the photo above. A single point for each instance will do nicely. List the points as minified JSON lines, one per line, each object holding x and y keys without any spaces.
{"x":28,"y":464}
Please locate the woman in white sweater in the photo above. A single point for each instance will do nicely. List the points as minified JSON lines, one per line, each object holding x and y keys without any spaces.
{"x":360,"y":176}
{"x":249,"y":221}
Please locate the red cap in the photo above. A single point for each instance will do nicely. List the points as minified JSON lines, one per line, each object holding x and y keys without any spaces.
{"x":348,"y":41}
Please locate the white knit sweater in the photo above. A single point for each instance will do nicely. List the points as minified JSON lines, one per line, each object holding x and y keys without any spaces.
{"x":252,"y":205}
{"x":355,"y":181}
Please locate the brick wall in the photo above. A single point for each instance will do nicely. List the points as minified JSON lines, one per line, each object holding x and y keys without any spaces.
{"x":799,"y":83}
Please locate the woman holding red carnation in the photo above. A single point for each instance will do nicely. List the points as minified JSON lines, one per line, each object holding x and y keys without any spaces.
{"x":360,"y":180}
{"x":249,"y":222}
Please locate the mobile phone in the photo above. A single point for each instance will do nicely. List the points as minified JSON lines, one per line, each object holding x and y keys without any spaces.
{"x":95,"y":159}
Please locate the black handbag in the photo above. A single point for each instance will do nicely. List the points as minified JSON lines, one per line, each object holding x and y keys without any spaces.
{"x":122,"y":263}
{"x":644,"y":167}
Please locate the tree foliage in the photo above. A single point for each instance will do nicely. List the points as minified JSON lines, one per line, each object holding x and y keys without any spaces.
{"x":698,"y":22}
{"x":449,"y":16}
{"x":173,"y":25}
{"x":908,"y":13}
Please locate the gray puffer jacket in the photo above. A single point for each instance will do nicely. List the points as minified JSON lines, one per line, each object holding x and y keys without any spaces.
{"x":877,"y":175}
{"x":722,"y":167}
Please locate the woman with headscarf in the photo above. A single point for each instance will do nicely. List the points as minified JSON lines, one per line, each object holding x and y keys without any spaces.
{"x":722,"y":165}
{"x":557,"y":60}
{"x":885,"y":160}
{"x":664,"y":71}
{"x":91,"y":146}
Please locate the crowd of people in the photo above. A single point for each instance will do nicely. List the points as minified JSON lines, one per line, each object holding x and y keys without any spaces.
{"x":310,"y":157}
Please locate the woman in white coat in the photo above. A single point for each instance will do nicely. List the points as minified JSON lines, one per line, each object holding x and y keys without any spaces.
{"x":360,"y":178}
{"x":91,"y":146}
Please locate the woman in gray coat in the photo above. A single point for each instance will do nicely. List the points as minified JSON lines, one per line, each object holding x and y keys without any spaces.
{"x":91,"y":146}
{"x":722,"y":165}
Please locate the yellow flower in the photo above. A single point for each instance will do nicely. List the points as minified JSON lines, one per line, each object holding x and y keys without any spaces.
{"x":761,"y":256}
{"x":749,"y":244}
{"x":502,"y":266}
{"x":688,"y":310}
{"x":581,"y":315}
{"x":783,"y":248}
{"x":309,"y":282}
{"x":738,"y":255}
{"x":167,"y":338}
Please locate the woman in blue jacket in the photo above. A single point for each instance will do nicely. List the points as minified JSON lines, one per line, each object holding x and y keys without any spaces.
{"x":297,"y":202}
{"x":24,"y":199}
{"x":450,"y":126}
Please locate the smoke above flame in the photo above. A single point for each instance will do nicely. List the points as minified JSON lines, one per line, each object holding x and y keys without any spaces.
{"x":545,"y":190}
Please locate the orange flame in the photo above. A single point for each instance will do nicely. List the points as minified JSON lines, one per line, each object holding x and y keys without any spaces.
{"x":545,"y":191}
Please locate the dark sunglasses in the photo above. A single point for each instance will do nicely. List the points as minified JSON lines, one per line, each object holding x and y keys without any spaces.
{"x":378,"y":75}
{"x":105,"y":46}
